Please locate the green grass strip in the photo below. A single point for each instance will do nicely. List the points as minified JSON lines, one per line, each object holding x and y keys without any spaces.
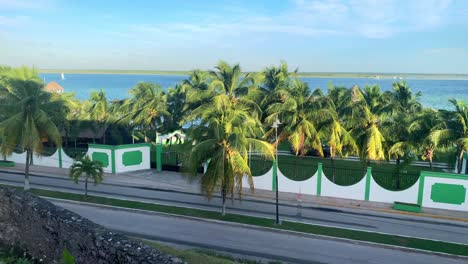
{"x":394,"y":240}
{"x":201,"y":255}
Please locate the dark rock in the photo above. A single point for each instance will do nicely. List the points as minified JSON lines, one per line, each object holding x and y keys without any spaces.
{"x":44,"y":231}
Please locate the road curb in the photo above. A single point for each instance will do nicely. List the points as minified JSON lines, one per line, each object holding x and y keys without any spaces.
{"x":269,"y":229}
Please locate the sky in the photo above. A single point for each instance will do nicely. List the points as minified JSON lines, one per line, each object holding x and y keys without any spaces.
{"x":407,"y":36}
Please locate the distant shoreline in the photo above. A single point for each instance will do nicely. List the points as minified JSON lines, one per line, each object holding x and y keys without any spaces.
{"x":303,"y":74}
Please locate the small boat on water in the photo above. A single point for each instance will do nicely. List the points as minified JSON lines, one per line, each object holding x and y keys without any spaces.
{"x":63,"y":76}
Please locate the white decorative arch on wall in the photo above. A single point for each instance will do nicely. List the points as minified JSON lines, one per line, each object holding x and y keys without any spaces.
{"x":356,"y":191}
{"x":18,"y":158}
{"x":66,"y":160}
{"x":380,"y":194}
{"x":308,"y":186}
{"x":47,"y":161}
{"x":263,"y":182}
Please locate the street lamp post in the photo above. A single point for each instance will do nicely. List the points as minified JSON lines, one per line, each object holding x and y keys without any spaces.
{"x":275,"y":125}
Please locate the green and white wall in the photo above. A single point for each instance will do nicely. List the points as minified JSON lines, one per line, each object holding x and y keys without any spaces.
{"x":104,"y":154}
{"x":443,"y":191}
{"x":57,"y":160}
{"x":132,"y":157}
{"x":122,"y":158}
{"x":432,"y":190}
{"x":115,"y":159}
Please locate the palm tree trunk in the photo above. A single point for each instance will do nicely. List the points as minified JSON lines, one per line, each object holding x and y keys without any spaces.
{"x":398,"y":173}
{"x":460,"y":161}
{"x":223,"y":212}
{"x":86,"y":188}
{"x":26,"y":172}
{"x":332,"y":162}
{"x":224,"y":187}
{"x":430,"y":162}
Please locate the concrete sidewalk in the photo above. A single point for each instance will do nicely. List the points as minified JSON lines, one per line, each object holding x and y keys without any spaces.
{"x":176,"y":181}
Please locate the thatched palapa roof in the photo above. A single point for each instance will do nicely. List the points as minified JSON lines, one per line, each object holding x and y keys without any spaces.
{"x":53,"y":87}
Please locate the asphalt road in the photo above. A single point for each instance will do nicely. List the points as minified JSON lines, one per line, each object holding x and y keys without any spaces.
{"x":355,"y":219}
{"x":285,"y":247}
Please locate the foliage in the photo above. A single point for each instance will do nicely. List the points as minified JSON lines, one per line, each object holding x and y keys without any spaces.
{"x":28,"y":115}
{"x":67,"y":257}
{"x":455,"y":129}
{"x":14,"y":256}
{"x":228,"y":130}
{"x":146,"y":109}
{"x":90,"y":168}
{"x":227,"y":105}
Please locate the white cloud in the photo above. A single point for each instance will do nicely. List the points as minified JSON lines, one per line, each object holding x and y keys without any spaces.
{"x":365,"y":18}
{"x":372,"y":18}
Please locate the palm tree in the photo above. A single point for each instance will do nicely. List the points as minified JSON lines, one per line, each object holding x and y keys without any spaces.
{"x":89,"y":168}
{"x":176,"y":102}
{"x":29,"y":109}
{"x":421,"y":127}
{"x":67,"y":115}
{"x":98,"y":111}
{"x":361,"y":112}
{"x":146,"y":108}
{"x":303,"y":113}
{"x":228,"y":129}
{"x":338,"y":139}
{"x":401,"y":107}
{"x":337,"y":94}
{"x":228,"y":80}
{"x":197,"y":89}
{"x":455,"y":129}
{"x":403,"y":100}
{"x":223,"y":141}
{"x":276,"y":81}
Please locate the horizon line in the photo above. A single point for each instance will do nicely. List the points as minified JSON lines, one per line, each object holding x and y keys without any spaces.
{"x":90,"y":70}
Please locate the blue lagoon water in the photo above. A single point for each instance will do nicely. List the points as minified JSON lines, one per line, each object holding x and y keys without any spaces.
{"x":435,"y":92}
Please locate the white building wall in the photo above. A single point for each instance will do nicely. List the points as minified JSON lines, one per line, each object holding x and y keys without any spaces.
{"x":144,"y":165}
{"x":380,"y":194}
{"x":356,"y":191}
{"x":308,"y":186}
{"x":47,"y":161}
{"x":263,"y":182}
{"x":91,"y":150}
{"x":66,"y":160}
{"x":427,"y":201}
{"x":18,"y":158}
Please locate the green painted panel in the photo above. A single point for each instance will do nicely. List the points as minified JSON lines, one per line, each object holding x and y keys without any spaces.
{"x":7,"y":163}
{"x":448,"y":193}
{"x":416,"y":208}
{"x":102,"y":157}
{"x":132,"y":158}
